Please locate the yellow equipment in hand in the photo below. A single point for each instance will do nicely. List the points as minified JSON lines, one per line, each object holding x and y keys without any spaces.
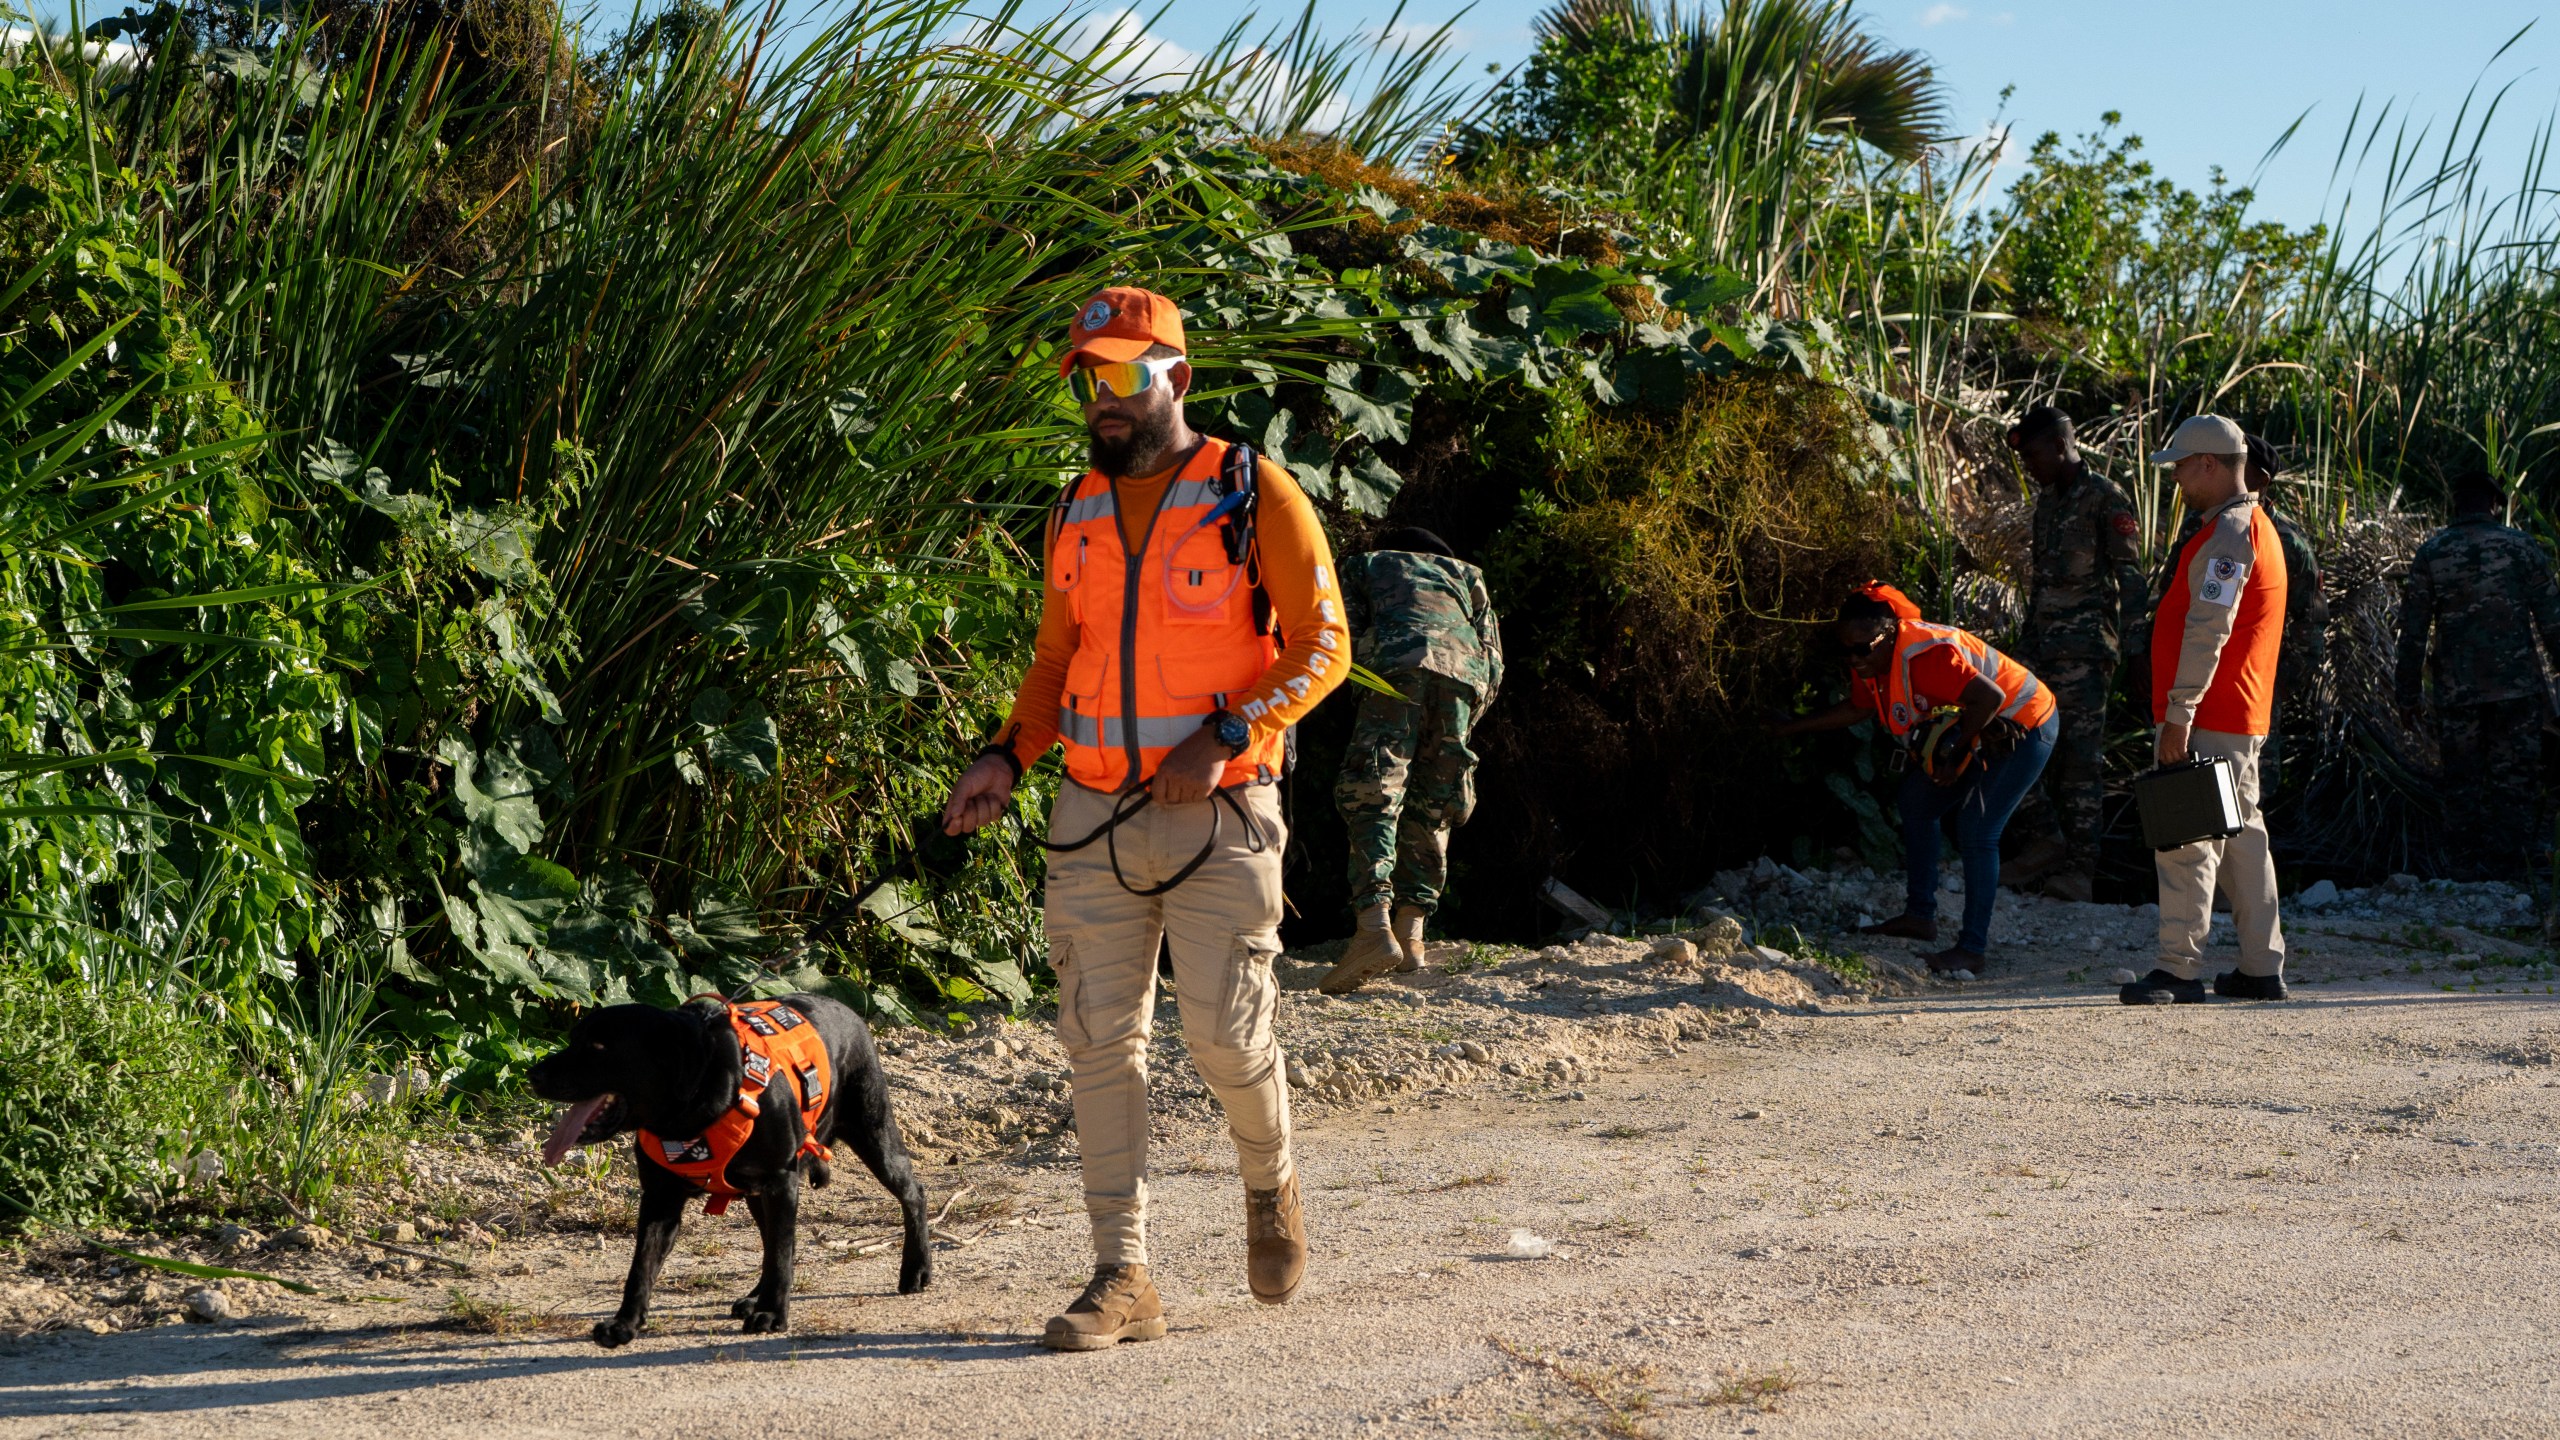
{"x":1943,"y":756}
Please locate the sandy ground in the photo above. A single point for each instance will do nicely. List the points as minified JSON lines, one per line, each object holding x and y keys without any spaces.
{"x":2012,"y":1208}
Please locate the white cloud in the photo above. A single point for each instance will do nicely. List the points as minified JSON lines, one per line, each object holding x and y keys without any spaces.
{"x":1119,"y":45}
{"x":1943,"y":14}
{"x":105,"y":52}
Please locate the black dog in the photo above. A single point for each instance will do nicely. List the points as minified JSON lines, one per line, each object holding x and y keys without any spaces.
{"x":676,"y":1072}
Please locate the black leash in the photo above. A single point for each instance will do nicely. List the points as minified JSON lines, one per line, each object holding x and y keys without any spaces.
{"x":1127,"y":804}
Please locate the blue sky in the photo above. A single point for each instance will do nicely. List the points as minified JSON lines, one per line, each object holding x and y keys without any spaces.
{"x":2203,"y":83}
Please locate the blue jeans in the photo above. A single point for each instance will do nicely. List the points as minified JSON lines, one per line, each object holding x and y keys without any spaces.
{"x":1983,"y":801}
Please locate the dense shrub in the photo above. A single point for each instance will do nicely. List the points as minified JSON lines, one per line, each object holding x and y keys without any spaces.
{"x":105,"y":1095}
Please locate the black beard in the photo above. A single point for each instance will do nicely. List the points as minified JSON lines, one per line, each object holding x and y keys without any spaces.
{"x":1149,"y":436}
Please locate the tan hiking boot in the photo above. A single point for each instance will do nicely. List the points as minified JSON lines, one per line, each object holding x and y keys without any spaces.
{"x":1408,"y":927}
{"x":2043,"y":855}
{"x":2077,"y":885}
{"x":1119,"y":1305}
{"x":1275,"y":1242}
{"x":1372,"y":953}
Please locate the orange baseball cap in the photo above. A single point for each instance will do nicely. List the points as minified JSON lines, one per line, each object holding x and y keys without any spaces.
{"x":1121,"y":323}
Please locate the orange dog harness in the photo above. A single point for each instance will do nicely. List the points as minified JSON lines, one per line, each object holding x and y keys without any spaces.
{"x":773,"y":1039}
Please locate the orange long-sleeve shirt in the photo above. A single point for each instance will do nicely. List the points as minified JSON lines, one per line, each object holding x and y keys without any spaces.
{"x":1296,"y":569}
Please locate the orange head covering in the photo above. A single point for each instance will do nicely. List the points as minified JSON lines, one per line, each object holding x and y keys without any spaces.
{"x":1892,"y":599}
{"x":1122,"y":323}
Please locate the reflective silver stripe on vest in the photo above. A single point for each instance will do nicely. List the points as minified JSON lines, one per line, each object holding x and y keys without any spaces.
{"x":1181,"y":495}
{"x":1902,"y":665}
{"x":1184,"y":493}
{"x":1155,"y":732}
{"x":2026,"y":693}
{"x":1092,"y":507}
{"x":1986,"y":664}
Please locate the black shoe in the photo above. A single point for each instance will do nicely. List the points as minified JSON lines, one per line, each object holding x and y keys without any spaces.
{"x":2162,"y":988}
{"x":1956,"y":958}
{"x":1903,"y":927}
{"x":2231,"y":984}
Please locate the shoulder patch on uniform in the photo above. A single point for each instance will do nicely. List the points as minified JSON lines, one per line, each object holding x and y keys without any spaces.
{"x":2125,"y":526}
{"x":2223,"y":579}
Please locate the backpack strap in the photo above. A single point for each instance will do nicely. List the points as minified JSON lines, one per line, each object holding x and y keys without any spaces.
{"x":1239,"y":507}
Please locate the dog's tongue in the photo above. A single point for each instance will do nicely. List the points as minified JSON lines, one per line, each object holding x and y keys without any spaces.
{"x":565,"y":1130}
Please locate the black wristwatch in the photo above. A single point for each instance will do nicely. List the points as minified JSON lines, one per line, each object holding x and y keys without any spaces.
{"x":1231,"y":730}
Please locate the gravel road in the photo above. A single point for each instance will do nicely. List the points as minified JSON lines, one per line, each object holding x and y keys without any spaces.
{"x":2013,"y":1208}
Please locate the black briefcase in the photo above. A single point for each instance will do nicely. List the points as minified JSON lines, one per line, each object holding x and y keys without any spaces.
{"x":2187,"y":802}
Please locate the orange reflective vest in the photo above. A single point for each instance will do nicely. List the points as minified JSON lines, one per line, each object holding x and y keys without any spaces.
{"x":773,"y":1039}
{"x":1163,"y":636}
{"x":2024,"y":698}
{"x":2240,"y":699}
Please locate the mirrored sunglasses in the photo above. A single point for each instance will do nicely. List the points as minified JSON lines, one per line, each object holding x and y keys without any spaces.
{"x":1118,"y":380}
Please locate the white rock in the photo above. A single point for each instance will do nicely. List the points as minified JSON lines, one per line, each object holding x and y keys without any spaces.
{"x":204,"y":1167}
{"x":1475,"y":1052}
{"x":1768,"y":956}
{"x":2323,"y":892}
{"x":210,"y":1305}
{"x":1299,"y":1079}
{"x":1526,"y":1245}
{"x":2121,"y":977}
{"x":1672,"y":950}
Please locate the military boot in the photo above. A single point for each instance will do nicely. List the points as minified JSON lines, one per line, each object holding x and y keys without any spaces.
{"x":1275,"y":1244}
{"x":2043,"y":855}
{"x":2077,"y":885}
{"x":1120,"y":1304}
{"x":1408,"y":927}
{"x":1372,"y":953}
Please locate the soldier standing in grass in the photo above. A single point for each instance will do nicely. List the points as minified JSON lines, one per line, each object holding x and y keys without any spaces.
{"x":2085,"y":604}
{"x":1421,"y":620}
{"x":2482,"y":592}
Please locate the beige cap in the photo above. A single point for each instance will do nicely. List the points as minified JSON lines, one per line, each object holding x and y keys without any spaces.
{"x":2202,"y":435}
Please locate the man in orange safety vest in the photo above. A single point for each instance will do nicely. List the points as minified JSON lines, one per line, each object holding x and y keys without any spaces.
{"x":2215,"y":643}
{"x":1189,"y":617}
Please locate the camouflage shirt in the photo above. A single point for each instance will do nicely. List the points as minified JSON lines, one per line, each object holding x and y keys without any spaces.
{"x":2306,"y":608}
{"x":2485,"y":590}
{"x":1413,"y":611}
{"x":2086,"y":589}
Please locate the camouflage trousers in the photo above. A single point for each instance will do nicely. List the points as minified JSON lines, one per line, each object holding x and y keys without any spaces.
{"x":1408,"y":778}
{"x":2072,"y":800}
{"x":2493,"y":782}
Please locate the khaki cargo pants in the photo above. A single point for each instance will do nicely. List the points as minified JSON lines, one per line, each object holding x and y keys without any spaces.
{"x":1222,"y":926}
{"x":2243,"y":864}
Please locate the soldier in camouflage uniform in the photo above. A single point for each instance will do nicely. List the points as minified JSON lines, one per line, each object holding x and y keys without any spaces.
{"x":2483,"y":591}
{"x":2086,"y":592}
{"x":1421,"y":620}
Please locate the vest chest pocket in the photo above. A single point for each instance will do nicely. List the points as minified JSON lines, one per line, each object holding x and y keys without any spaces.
{"x":1074,"y":557}
{"x":1199,"y":580}
{"x":1087,"y":669}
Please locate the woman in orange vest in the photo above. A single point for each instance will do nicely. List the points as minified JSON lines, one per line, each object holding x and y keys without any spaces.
{"x":1980,"y":727}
